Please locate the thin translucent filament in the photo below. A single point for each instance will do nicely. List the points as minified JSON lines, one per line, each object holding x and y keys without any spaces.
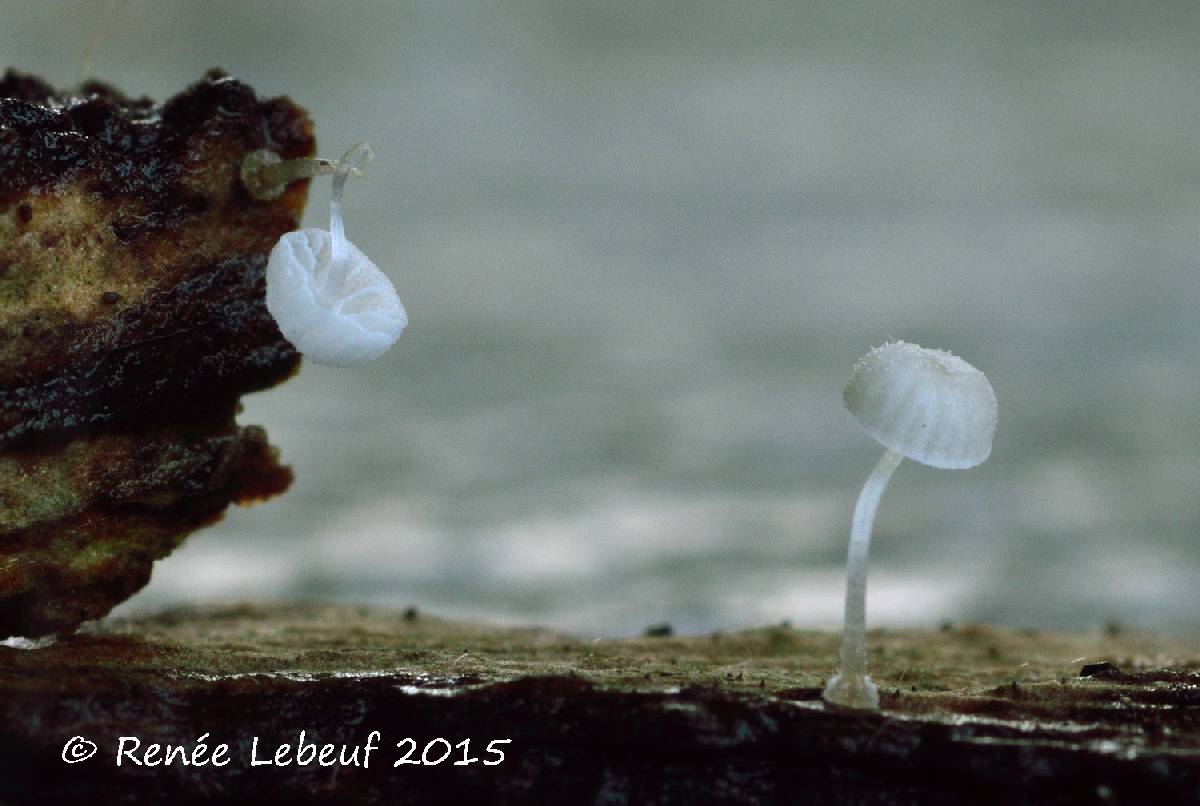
{"x":352,"y":161}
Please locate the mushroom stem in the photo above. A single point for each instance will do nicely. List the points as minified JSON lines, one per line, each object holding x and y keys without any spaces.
{"x":851,"y":687}
{"x":266,"y":175}
{"x":352,"y":162}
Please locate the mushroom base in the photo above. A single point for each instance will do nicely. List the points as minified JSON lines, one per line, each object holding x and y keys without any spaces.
{"x":852,"y":691}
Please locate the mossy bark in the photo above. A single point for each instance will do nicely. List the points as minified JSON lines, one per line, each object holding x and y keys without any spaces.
{"x":970,"y":714}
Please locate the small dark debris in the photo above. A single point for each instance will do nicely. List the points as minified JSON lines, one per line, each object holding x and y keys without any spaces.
{"x":947,"y":626}
{"x":663,"y":630}
{"x":110,"y":297}
{"x":1103,"y":669}
{"x":1012,"y":690}
{"x":411,"y":613}
{"x":800,"y":694}
{"x":762,"y":683}
{"x":24,"y":213}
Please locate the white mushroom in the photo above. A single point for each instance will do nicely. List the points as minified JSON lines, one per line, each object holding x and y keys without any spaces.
{"x":932,"y":407}
{"x":328,"y":298}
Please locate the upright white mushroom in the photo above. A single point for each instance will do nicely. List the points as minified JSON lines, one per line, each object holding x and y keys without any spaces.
{"x":328,"y":298}
{"x":932,"y":407}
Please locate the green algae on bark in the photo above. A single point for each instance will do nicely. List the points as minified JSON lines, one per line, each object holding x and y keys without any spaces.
{"x":132,"y":320}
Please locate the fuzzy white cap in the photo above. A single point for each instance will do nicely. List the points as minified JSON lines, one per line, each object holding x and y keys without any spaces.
{"x":357,"y":324}
{"x":929,"y":405}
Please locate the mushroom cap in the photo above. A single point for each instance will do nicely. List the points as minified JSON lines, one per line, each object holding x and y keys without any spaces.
{"x":352,"y":327}
{"x":929,"y":405}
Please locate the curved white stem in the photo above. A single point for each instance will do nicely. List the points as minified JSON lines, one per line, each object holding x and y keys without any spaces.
{"x":266,"y":175}
{"x":852,"y":687}
{"x":352,"y":162}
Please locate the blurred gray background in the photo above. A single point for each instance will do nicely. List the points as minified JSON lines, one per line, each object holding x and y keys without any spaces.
{"x":641,"y":245}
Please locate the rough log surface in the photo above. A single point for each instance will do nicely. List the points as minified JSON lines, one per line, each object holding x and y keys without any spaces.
{"x":133,"y":318}
{"x":970,"y":714}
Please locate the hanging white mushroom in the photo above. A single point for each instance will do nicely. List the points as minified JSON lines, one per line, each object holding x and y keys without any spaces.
{"x":327,"y":297}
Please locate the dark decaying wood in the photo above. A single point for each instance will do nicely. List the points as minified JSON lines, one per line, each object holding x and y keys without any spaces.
{"x":971,"y":714}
